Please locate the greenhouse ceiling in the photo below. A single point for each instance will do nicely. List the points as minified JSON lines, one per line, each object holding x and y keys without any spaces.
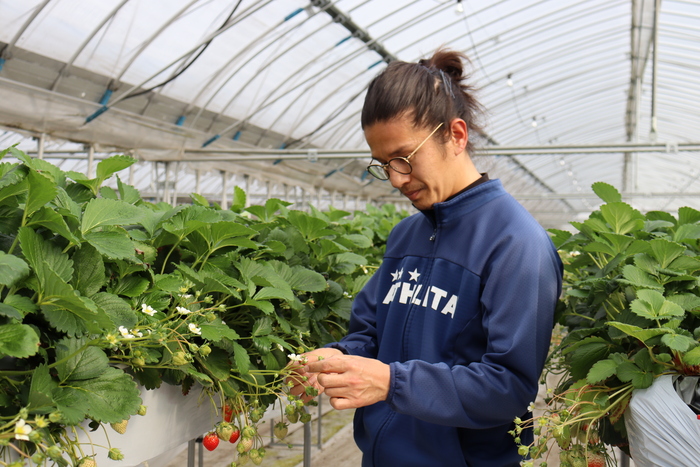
{"x":214,"y":93}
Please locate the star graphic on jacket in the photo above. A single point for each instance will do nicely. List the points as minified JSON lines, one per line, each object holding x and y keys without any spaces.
{"x":414,"y":275}
{"x":396,"y":275}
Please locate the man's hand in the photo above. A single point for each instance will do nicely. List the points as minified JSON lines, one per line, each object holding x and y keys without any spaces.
{"x":351,"y":381}
{"x":301,"y":379}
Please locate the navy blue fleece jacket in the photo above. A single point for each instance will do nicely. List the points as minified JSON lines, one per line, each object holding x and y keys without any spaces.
{"x":462,"y":311}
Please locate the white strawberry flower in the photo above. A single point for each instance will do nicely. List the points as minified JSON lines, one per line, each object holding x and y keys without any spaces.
{"x":531,"y":407}
{"x":182,"y":310}
{"x":147,"y":309}
{"x":194,"y":328}
{"x":125,"y":332}
{"x":22,"y":430}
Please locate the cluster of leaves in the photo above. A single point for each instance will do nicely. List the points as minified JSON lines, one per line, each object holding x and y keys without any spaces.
{"x":101,"y":290}
{"x":631,"y":308}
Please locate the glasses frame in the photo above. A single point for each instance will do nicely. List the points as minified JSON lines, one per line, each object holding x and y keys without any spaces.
{"x":385,"y":167}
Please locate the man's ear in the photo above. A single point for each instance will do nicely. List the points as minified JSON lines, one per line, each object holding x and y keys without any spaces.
{"x":459,"y":135}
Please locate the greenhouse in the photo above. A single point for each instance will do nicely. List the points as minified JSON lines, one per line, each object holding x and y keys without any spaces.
{"x":186,"y":211}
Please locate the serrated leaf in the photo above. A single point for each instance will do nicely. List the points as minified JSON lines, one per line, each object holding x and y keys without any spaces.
{"x":89,"y":271}
{"x":216,"y":330}
{"x":310,"y":227}
{"x":629,"y":372}
{"x":241,"y":358}
{"x":118,"y":311}
{"x":606,"y":192}
{"x":44,"y":257}
{"x":10,"y":312}
{"x":18,"y":340}
{"x":687,"y":232}
{"x":109,"y":398}
{"x":351,"y":258}
{"x":688,"y":215}
{"x":262,"y":327}
{"x":199,"y":200}
{"x":622,"y":217}
{"x":638,"y":278}
{"x":665,"y":252}
{"x":131,"y":286}
{"x":692,"y":357}
{"x":128,"y":193}
{"x":40,"y":390}
{"x":601,"y":370}
{"x":218,"y":364}
{"x":12,"y":269}
{"x":112,"y":244}
{"x":678,"y":342}
{"x":686,"y":301}
{"x":113,"y":164}
{"x":47,"y":217}
{"x":652,"y":305}
{"x":583,"y":355}
{"x":77,"y":362}
{"x":102,"y":212}
{"x":41,"y":191}
{"x":239,"y":199}
{"x":639,"y":333}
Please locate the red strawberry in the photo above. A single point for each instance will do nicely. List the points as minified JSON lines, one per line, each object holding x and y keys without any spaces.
{"x":234,"y":436}
{"x":210,"y":441}
{"x":595,"y":459}
{"x":228,"y":413}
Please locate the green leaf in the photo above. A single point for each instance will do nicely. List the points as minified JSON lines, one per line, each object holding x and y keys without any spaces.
{"x":678,"y":342}
{"x":110,"y":398}
{"x":44,"y":257}
{"x":218,"y":364}
{"x":39,"y":399}
{"x":216,"y":331}
{"x":665,"y":252}
{"x":118,"y":311}
{"x":688,"y":301}
{"x":89,"y":271}
{"x":41,"y":191}
{"x":199,"y":200}
{"x":600,"y":371}
{"x":53,"y":221}
{"x":269,"y":293}
{"x":10,"y":312}
{"x":128,"y":193}
{"x":637,"y":332}
{"x":606,"y":192}
{"x":239,"y":199}
{"x":688,"y":215}
{"x":585,"y":353}
{"x":12,"y":269}
{"x":112,"y":244}
{"x":692,"y":357}
{"x":241,"y":358}
{"x":262,"y":327}
{"x":101,"y":212}
{"x":629,"y":372}
{"x":131,"y":286}
{"x":351,"y":258}
{"x":598,"y":247}
{"x":299,"y":277}
{"x":687,"y":232}
{"x":651,"y":304}
{"x":622,"y":217}
{"x":18,"y":340}
{"x":77,"y":362}
{"x":638,"y":278}
{"x":310,"y":227}
{"x":107,"y":167}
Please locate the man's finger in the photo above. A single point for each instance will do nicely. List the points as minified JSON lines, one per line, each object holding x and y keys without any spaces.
{"x":331,"y":365}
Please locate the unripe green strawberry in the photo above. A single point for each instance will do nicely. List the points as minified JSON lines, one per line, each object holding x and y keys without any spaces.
{"x":249,"y":431}
{"x":281,"y":430}
{"x":115,"y":454}
{"x":142,"y":410}
{"x":38,"y":457}
{"x":305,"y":417}
{"x":120,"y":427}
{"x":87,"y":462}
{"x":179,"y":359}
{"x":291,"y":412}
{"x":204,"y":350}
{"x":224,"y":430}
{"x":55,"y":452}
{"x":245,"y":444}
{"x":256,"y":415}
{"x":255,"y":457}
{"x":138,"y":362}
{"x":56,"y":417}
{"x":243,"y":458}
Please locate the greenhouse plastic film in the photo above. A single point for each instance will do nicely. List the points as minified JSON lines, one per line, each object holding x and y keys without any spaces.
{"x":663,"y":431}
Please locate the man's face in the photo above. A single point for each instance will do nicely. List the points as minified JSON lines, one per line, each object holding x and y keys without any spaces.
{"x":435,"y":175}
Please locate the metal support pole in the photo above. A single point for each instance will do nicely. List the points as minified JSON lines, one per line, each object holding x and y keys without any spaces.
{"x":655,"y":60}
{"x":307,"y":442}
{"x":166,"y":190}
{"x":198,"y":181}
{"x":224,"y":189}
{"x":40,"y":146}
{"x":91,"y":160}
{"x":190,"y":452}
{"x":319,"y":439}
{"x":174,"y":195}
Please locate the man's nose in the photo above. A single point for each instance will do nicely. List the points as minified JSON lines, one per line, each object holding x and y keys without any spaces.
{"x":398,"y":180}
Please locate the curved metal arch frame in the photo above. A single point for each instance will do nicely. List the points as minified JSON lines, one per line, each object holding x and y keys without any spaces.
{"x":10,"y":45}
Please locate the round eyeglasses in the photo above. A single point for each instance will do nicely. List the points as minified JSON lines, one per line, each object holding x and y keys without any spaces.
{"x":401,"y":165}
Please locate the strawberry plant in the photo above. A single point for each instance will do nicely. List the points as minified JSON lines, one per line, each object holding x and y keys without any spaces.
{"x":631,"y":312}
{"x":104,"y":294}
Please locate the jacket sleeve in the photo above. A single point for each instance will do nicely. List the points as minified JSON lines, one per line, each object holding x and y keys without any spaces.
{"x":520,"y":290}
{"x":361,"y":339}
